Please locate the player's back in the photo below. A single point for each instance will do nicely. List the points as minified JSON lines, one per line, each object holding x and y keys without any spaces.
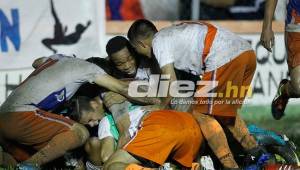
{"x":187,"y":43}
{"x":50,"y":85}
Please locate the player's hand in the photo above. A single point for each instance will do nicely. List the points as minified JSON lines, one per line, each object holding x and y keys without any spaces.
{"x":111,"y":98}
{"x":267,"y":39}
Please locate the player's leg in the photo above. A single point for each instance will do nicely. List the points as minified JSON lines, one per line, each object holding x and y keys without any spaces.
{"x":120,"y":160}
{"x":52,"y":135}
{"x":216,"y":139}
{"x":6,"y":159}
{"x":60,"y":144}
{"x":288,"y":88}
{"x":98,"y":151}
{"x":239,"y":128}
{"x":231,"y":87}
{"x":240,"y":132}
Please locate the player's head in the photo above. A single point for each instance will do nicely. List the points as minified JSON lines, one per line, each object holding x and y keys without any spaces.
{"x":140,"y":35}
{"x":121,"y":56}
{"x":87,"y":111}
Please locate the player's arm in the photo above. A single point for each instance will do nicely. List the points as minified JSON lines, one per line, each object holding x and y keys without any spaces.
{"x":104,"y":144}
{"x":118,"y":106}
{"x":267,"y":35}
{"x":107,"y":148}
{"x":121,"y":87}
{"x":168,"y":70}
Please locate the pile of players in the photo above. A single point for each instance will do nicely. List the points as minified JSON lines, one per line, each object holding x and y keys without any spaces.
{"x":133,"y":131}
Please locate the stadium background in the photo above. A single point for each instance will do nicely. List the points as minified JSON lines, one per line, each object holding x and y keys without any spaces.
{"x":240,"y":16}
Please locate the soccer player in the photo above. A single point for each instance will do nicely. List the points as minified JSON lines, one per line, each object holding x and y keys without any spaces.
{"x":220,"y":57}
{"x":145,"y":136}
{"x":287,"y":88}
{"x":126,"y":63}
{"x":28,"y":129}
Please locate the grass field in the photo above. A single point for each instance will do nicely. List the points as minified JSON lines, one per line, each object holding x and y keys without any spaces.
{"x":289,"y":124}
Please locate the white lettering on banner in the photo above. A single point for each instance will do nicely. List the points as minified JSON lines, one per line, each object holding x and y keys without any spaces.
{"x":270,"y":69}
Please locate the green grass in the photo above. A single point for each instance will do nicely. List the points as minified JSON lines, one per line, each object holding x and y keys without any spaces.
{"x":289,"y":124}
{"x":6,"y":168}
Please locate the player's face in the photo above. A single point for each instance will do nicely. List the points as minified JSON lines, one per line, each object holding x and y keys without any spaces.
{"x":124,"y":61}
{"x":93,"y":117}
{"x":141,"y":48}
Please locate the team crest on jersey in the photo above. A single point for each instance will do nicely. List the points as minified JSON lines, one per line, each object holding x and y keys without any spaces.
{"x":60,"y":97}
{"x":53,"y":100}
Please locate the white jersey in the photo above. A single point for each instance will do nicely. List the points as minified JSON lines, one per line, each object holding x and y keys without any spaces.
{"x":51,"y":84}
{"x":184,"y":46}
{"x":104,"y":128}
{"x":135,"y":115}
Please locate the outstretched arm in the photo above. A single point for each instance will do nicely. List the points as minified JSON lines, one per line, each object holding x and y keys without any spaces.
{"x":267,"y":35}
{"x":121,"y":87}
{"x":118,"y":106}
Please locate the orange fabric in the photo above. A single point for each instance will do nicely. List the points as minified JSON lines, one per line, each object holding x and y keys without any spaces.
{"x":131,"y":10}
{"x":293,"y":49}
{"x":167,"y":132}
{"x":26,"y":132}
{"x":209,"y":39}
{"x":107,"y":11}
{"x":296,"y":16}
{"x":236,"y":74}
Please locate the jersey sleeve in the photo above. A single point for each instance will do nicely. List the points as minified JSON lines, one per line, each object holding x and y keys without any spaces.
{"x":162,"y":50}
{"x":89,"y":72}
{"x":104,"y":129}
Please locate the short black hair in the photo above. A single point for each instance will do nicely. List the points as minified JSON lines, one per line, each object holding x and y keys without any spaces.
{"x":101,"y":62}
{"x":79,"y":104}
{"x":116,"y":44}
{"x":141,"y":29}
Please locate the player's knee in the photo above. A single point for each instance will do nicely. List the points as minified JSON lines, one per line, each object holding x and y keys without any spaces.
{"x":295,"y":81}
{"x":295,"y":84}
{"x":105,"y":156}
{"x":92,"y":144}
{"x":81,"y":133}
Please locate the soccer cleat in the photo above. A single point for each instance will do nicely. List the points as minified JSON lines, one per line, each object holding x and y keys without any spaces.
{"x":279,"y":102}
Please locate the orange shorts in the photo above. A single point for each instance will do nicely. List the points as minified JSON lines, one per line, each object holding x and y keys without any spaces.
{"x":293,"y":48}
{"x":233,"y":81}
{"x":24,"y":133}
{"x":167,"y":132}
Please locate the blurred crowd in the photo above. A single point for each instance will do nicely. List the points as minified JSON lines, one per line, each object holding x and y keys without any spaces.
{"x":182,"y":9}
